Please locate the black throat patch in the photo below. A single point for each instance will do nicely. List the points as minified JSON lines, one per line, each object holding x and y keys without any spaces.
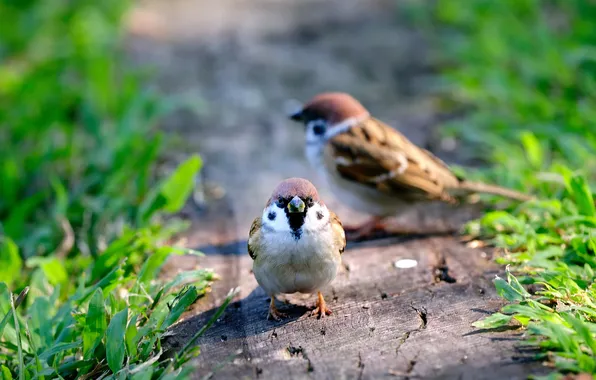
{"x":296,"y":221}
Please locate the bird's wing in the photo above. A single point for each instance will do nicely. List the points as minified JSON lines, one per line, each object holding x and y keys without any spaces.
{"x":254,"y":237}
{"x":376,"y":155}
{"x":338,"y":232}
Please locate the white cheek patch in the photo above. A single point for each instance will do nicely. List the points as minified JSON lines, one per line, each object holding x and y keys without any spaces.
{"x":314,"y":143}
{"x":343,"y":126}
{"x":274,"y":219}
{"x":311,"y":136}
{"x":317,"y":217}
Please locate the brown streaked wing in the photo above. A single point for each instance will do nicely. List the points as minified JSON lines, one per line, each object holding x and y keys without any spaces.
{"x":254,"y":237}
{"x":376,"y":155}
{"x":338,"y":231}
{"x":435,"y":168}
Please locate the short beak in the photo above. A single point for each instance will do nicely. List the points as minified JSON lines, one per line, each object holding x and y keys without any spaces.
{"x":296,"y":205}
{"x":293,"y":108}
{"x":297,"y":116}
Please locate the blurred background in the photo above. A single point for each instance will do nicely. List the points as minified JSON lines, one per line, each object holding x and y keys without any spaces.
{"x":103,"y":106}
{"x":458,"y":79}
{"x":98,"y":101}
{"x":241,"y":62}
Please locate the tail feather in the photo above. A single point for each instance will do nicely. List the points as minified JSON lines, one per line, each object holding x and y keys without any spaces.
{"x":479,"y":187}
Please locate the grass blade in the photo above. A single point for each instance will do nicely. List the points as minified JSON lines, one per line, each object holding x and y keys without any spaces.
{"x":95,"y":324}
{"x":115,"y":338}
{"x":19,"y":345}
{"x":493,"y":321}
{"x":10,"y":260}
{"x":5,"y":372}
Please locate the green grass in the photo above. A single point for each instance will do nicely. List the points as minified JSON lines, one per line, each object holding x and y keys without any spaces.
{"x":84,"y":220}
{"x":526,"y":72}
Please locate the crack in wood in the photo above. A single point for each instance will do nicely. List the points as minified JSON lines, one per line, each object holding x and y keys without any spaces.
{"x":441,"y":272}
{"x":382,"y":293}
{"x":299,"y":351}
{"x":402,"y":340}
{"x":411,"y":365}
{"x":334,"y":294}
{"x":423,"y":315}
{"x":360,"y":366}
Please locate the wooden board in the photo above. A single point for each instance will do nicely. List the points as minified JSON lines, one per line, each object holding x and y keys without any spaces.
{"x":406,"y":323}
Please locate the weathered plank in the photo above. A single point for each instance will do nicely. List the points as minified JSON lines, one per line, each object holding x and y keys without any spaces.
{"x":385,"y":321}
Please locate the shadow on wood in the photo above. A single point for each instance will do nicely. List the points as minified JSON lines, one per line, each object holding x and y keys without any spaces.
{"x":385,"y":321}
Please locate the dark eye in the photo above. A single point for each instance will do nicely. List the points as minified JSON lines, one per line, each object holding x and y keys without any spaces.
{"x":318,"y":129}
{"x":281,"y":203}
{"x":309,"y":202}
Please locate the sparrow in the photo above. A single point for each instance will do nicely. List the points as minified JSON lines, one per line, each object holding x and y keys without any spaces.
{"x":296,"y":244}
{"x":372,"y":167}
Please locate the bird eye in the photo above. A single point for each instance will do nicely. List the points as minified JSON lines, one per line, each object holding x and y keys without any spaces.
{"x":281,"y":203}
{"x":318,"y":126}
{"x":318,"y":129}
{"x":309,"y":202}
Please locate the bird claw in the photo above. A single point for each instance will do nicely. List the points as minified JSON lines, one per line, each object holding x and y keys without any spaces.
{"x":365,"y":231}
{"x":276,"y":315}
{"x":321,"y":310}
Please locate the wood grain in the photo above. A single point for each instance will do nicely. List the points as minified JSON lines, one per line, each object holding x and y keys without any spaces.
{"x":386,"y":321}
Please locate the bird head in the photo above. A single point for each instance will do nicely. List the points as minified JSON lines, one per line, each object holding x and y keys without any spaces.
{"x":328,"y":114}
{"x":294,"y":207}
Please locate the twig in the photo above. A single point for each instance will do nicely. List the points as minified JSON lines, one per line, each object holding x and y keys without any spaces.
{"x":67,"y":241}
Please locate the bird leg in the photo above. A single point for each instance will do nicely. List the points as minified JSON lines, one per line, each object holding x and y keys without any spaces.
{"x":321,"y":310}
{"x":376,"y":226}
{"x":273,"y":312}
{"x":365,"y":230}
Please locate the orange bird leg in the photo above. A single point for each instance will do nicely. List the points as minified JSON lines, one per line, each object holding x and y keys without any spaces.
{"x":365,"y":230}
{"x":321,"y":309}
{"x":273,"y":312}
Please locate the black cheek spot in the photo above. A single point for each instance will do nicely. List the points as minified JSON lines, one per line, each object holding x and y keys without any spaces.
{"x":319,"y":215}
{"x":271,"y":215}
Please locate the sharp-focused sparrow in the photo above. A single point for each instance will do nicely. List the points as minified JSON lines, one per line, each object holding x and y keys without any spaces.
{"x":374,"y":168}
{"x":296,"y":244}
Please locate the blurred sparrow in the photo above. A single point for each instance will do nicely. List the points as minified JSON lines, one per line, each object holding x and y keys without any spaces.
{"x":374,"y":168}
{"x":296,"y":244}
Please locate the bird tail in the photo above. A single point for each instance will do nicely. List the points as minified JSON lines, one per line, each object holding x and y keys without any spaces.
{"x":479,"y":187}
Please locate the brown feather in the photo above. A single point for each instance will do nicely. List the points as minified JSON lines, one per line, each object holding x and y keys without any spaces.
{"x":338,"y":231}
{"x":333,"y":107}
{"x":295,"y":187}
{"x":388,"y":161}
{"x":375,"y":155}
{"x":254,"y":237}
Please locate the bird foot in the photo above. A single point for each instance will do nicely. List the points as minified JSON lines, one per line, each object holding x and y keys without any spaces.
{"x":321,"y":310}
{"x":275,"y":314}
{"x":376,"y":228}
{"x":366,"y":230}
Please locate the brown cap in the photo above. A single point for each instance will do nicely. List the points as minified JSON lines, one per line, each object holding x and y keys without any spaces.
{"x":291,"y":187}
{"x":334,"y":107}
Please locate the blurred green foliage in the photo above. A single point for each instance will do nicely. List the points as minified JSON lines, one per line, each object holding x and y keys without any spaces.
{"x":525,"y":71}
{"x":81,"y":232}
{"x":78,"y":127}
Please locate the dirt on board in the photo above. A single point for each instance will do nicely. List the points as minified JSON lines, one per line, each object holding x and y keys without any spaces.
{"x":241,"y":63}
